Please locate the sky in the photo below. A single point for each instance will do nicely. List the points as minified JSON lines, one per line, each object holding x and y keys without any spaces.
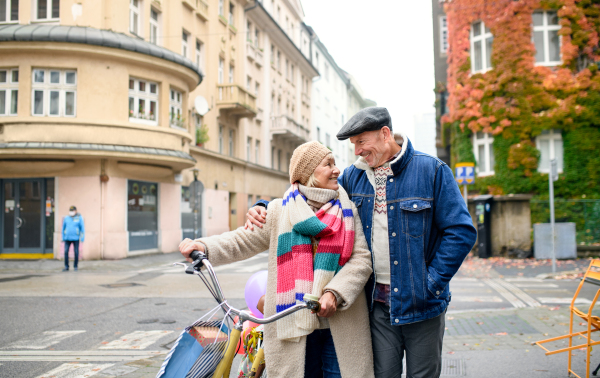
{"x":387,"y":45}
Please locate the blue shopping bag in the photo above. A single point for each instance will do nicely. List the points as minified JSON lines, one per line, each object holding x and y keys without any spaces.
{"x":188,"y":358}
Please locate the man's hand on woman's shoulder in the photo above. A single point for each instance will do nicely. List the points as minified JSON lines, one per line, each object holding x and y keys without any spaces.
{"x":257,"y":215}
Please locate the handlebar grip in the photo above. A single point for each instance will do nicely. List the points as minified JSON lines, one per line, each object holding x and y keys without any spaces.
{"x":196,"y":255}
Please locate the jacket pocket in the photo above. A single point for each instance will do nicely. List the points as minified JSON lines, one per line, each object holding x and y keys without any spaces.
{"x":415,"y":217}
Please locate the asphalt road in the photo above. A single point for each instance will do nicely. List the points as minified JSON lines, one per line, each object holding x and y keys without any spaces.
{"x":107,"y":317}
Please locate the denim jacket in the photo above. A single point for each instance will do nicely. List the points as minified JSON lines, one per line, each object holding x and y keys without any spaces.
{"x":429,"y":227}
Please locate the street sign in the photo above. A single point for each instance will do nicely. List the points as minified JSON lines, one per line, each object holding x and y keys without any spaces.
{"x":554,"y":169}
{"x":465,"y":173}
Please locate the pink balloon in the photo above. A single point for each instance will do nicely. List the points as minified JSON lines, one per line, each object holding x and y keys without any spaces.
{"x":255,"y":288}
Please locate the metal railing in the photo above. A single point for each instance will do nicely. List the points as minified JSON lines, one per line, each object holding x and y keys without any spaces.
{"x":585,"y":213}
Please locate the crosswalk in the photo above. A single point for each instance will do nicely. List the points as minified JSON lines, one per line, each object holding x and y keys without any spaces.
{"x":515,"y":291}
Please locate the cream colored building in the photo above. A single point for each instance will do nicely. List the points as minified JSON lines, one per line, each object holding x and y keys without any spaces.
{"x":97,"y":111}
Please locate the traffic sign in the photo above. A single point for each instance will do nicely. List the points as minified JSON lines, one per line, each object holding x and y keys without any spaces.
{"x":465,"y":173}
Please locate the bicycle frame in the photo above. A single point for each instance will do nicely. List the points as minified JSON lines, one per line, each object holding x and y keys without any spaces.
{"x":224,"y":368}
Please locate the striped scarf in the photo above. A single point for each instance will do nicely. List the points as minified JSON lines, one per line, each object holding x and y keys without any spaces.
{"x":298,"y":272}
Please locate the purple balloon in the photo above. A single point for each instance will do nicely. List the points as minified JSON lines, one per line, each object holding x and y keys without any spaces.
{"x":256,"y":287}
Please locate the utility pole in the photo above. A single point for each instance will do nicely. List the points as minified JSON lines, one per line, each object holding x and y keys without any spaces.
{"x":553,"y":176}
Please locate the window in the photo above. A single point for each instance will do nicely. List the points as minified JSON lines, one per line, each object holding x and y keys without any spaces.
{"x":256,"y":90}
{"x":327,"y":140}
{"x":546,"y":39}
{"x":199,"y":54}
{"x":279,"y":160}
{"x":9,"y":92}
{"x":220,"y":139}
{"x":272,"y":55}
{"x":278,"y":14}
{"x":9,"y":10}
{"x":249,"y":31}
{"x":184,"y":44}
{"x":143,"y":101}
{"x":175,"y":110}
{"x":326,"y":72}
{"x":221,"y":8}
{"x":443,"y":35}
{"x":550,"y":144}
{"x":318,"y":133}
{"x":221,"y":68}
{"x":249,"y":148}
{"x":287,"y":69}
{"x":48,"y":9}
{"x":54,"y":93}
{"x":153,"y":26}
{"x":231,"y":12}
{"x":484,"y":153}
{"x":231,"y":74}
{"x":292,"y":73}
{"x":257,"y":152}
{"x":481,"y":47}
{"x":248,"y":83}
{"x":134,"y":16}
{"x":231,"y":145}
{"x":279,"y":61}
{"x":317,"y":60}
{"x":273,"y":157}
{"x":256,"y":38}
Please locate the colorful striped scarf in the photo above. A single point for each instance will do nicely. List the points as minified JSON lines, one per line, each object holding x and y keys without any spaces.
{"x":298,"y":273}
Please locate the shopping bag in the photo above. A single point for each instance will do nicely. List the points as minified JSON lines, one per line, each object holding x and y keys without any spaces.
{"x":197,"y":351}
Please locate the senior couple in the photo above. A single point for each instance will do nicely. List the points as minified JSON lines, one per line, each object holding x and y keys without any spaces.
{"x":377,"y":244}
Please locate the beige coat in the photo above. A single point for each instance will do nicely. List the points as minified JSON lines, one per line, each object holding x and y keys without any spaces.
{"x":350,"y":323}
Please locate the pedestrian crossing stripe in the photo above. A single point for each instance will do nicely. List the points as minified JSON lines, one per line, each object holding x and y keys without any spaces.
{"x":568,"y":300}
{"x":75,"y":370}
{"x":136,"y":340}
{"x":482,"y":299}
{"x":43,"y":341}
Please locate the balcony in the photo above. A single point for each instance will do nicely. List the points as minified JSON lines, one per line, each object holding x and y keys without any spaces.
{"x":286,"y":129}
{"x":202,"y":10}
{"x":234,"y":100}
{"x":253,"y":53}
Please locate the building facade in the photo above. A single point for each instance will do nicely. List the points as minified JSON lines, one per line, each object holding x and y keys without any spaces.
{"x":440,"y":56}
{"x":99,"y":109}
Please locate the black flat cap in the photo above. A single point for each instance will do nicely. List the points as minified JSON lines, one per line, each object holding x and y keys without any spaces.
{"x":368,"y":119}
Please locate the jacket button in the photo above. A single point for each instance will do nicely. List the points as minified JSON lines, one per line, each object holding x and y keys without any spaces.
{"x":393,"y":234}
{"x":391,"y":180}
{"x":391,"y":207}
{"x":395,"y":290}
{"x":395,"y":262}
{"x":437,"y":293}
{"x":397,"y":321}
{"x":367,"y":226}
{"x":415,"y":206}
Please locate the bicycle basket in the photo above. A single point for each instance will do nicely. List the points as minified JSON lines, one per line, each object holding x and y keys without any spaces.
{"x":197,"y":351}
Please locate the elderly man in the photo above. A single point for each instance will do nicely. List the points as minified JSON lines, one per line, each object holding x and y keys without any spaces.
{"x":419,"y":231}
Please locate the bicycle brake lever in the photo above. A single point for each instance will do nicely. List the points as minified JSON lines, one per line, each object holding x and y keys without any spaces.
{"x":194,"y":267}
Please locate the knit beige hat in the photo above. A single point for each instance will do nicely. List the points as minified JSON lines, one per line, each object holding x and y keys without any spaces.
{"x":305,"y":160}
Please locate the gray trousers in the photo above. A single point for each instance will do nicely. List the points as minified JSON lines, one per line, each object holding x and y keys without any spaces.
{"x":422,"y":342}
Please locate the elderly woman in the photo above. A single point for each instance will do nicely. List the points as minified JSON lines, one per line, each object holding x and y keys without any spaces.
{"x":316,"y":246}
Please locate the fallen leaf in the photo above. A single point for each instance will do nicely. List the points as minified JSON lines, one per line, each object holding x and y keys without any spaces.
{"x":501,"y":334}
{"x":450,"y":352}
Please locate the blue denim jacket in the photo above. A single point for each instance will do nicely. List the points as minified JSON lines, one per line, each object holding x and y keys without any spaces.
{"x":429,"y":227}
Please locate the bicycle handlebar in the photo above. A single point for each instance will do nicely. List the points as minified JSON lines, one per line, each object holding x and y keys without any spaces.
{"x":200,"y":260}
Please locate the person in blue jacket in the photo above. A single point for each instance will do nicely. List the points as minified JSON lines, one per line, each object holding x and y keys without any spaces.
{"x":418,"y":230}
{"x":73,"y":231}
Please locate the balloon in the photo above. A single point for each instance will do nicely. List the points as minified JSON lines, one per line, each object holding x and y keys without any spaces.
{"x":256,"y":287}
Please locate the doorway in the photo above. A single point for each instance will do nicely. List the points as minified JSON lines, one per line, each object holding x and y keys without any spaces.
{"x":28,"y":216}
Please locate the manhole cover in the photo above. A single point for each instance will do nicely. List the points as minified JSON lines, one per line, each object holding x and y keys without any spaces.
{"x":120,"y":285}
{"x":147,"y":321}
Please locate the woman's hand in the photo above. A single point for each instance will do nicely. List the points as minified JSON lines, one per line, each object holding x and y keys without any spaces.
{"x":328,"y":305}
{"x":256,"y":215}
{"x":187,"y":246}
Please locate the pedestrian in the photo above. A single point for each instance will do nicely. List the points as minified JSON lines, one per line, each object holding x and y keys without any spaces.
{"x":73,"y":231}
{"x":316,"y":246}
{"x":418,"y":230}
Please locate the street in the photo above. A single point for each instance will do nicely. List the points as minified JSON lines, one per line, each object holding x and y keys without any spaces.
{"x":119,"y":318}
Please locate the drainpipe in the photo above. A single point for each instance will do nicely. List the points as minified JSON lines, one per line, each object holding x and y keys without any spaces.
{"x":103,"y":181}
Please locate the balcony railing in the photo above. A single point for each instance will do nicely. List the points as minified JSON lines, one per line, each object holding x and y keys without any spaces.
{"x":286,"y":128}
{"x":202,"y":9}
{"x":253,"y":53}
{"x":234,"y":99}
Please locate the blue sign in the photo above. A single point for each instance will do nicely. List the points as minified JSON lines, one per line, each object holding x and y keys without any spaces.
{"x":465,"y":173}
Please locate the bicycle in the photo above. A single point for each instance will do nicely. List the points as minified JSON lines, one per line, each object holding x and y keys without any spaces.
{"x":223,"y":369}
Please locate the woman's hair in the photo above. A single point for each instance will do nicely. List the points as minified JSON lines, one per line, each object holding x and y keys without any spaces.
{"x":312,"y":181}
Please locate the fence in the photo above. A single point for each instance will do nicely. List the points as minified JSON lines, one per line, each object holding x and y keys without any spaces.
{"x":584,"y":213}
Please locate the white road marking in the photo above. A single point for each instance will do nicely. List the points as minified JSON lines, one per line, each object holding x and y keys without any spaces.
{"x":43,"y":341}
{"x":466,"y":284}
{"x":243,"y":267}
{"x":136,"y":340}
{"x":505,"y":293}
{"x":466,"y":298}
{"x":524,"y":279}
{"x":563,"y":300}
{"x":78,"y":356}
{"x":542,"y":286}
{"x":75,"y":370}
{"x":519,"y":293}
{"x":464,"y":279}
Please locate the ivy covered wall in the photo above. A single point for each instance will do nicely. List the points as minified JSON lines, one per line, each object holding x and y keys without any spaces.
{"x":517,"y":99}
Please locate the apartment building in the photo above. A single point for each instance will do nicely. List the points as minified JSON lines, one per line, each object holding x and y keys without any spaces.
{"x":100,"y":107}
